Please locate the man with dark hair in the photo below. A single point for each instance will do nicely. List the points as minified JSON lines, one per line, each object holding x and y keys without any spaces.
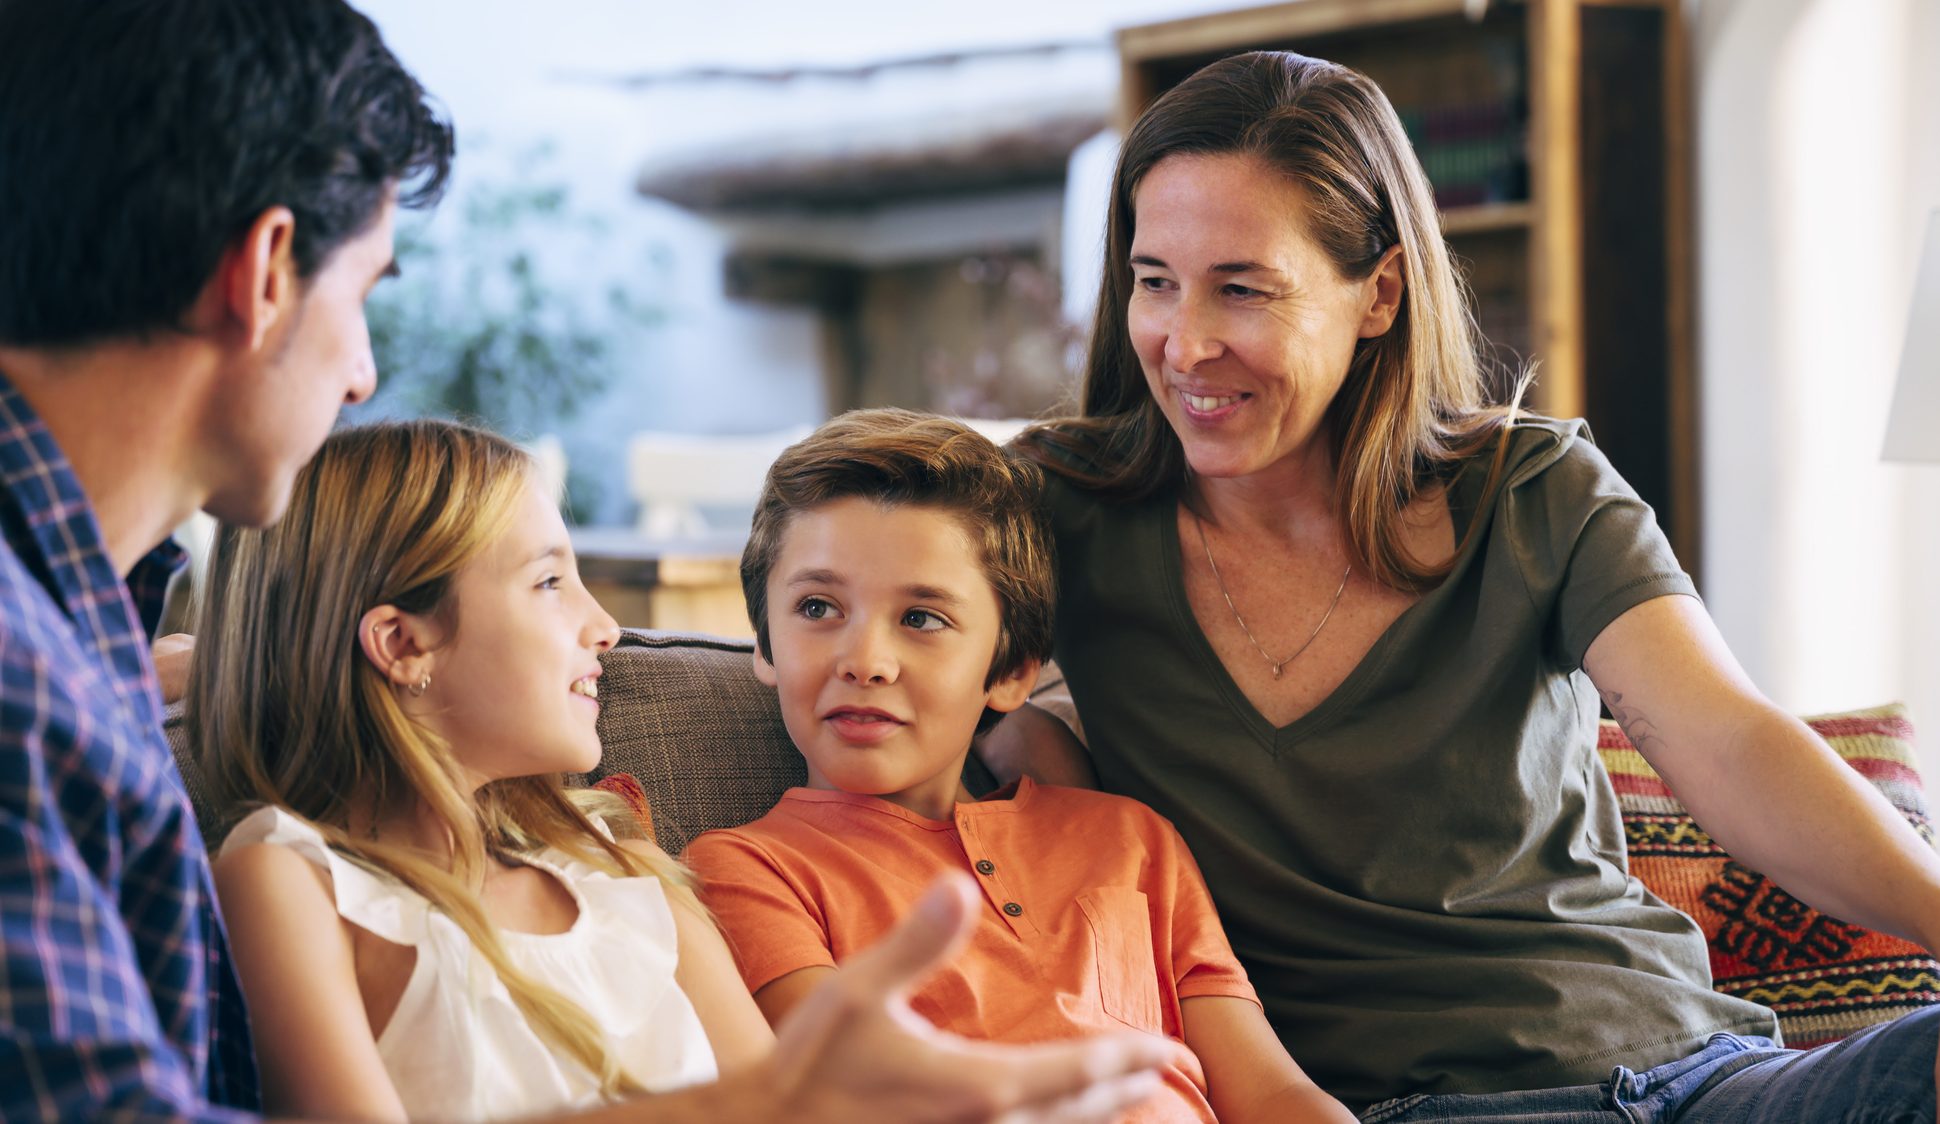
{"x":196,"y":196}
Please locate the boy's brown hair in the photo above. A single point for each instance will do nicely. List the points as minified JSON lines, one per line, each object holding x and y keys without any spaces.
{"x":901,"y":457}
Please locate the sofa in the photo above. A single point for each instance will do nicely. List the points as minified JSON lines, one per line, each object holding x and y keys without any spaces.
{"x":684,"y":717}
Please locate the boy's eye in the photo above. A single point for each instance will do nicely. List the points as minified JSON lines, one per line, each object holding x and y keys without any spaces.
{"x":923,"y":620}
{"x":815,"y":608}
{"x":551,"y":581}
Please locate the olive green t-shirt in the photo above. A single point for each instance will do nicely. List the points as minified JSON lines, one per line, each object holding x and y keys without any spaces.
{"x":1425,"y":876}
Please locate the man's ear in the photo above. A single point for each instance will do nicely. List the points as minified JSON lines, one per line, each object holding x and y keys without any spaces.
{"x":257,"y":275}
{"x":398,"y":644}
{"x":1012,"y":689}
{"x":763,"y":670}
{"x":1387,"y":283}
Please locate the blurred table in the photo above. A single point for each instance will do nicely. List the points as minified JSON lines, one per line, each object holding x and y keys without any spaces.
{"x":691,"y":583}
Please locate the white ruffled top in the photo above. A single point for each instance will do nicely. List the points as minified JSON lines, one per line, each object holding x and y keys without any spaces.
{"x":458,"y":1048}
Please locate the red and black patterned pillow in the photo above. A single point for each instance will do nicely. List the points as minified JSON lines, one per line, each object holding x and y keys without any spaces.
{"x":1825,"y":978}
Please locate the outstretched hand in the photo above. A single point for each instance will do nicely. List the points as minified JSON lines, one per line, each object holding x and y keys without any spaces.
{"x":853,"y":1050}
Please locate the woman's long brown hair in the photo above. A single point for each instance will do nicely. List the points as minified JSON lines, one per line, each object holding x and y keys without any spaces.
{"x":1412,"y":407}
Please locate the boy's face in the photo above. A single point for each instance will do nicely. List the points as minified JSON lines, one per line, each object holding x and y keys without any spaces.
{"x":882,"y":628}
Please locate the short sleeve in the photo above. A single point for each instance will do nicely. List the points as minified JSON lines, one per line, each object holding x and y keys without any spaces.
{"x":1588,"y":544}
{"x":772,"y":926}
{"x":373,"y":902}
{"x":1202,"y":959}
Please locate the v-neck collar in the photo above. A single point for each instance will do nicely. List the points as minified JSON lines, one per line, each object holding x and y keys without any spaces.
{"x":1464,"y":500}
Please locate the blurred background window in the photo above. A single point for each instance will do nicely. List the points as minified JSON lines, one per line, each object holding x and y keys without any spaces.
{"x":696,"y":230}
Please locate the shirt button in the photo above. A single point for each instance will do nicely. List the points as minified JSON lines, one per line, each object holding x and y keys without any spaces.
{"x":1013,"y":909}
{"x":985,"y":866}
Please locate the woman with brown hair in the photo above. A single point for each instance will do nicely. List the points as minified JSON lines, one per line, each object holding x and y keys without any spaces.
{"x":1346,"y":625}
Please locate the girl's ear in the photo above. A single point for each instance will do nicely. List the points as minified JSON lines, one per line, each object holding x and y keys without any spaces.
{"x":1013,"y":689}
{"x":398,"y":644}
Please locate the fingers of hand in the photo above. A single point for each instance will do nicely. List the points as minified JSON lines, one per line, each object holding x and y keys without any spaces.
{"x":932,"y":933}
{"x":857,"y":1017}
{"x":1059,"y":1077}
{"x":1105,"y":1101}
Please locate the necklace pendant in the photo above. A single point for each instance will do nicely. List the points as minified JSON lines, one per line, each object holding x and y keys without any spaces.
{"x":1277,"y":669}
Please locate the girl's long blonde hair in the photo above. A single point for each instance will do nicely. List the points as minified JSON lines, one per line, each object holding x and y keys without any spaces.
{"x":1413,"y":406}
{"x":284,"y":709}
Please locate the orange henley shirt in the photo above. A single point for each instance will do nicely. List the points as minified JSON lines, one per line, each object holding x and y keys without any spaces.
{"x":1097,"y":920}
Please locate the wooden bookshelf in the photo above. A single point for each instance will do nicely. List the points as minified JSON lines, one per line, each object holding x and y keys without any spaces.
{"x":1556,"y":133}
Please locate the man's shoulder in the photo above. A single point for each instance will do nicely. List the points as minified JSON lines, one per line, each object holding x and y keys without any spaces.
{"x":36,"y":638}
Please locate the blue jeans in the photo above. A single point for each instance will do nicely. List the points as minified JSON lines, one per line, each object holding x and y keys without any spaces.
{"x":1882,"y":1075}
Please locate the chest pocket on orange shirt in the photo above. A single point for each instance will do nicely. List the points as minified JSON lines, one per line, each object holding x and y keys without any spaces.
{"x":1121,"y":936}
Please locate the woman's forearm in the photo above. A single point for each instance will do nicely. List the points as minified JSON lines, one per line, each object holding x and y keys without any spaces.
{"x":1782,"y":802}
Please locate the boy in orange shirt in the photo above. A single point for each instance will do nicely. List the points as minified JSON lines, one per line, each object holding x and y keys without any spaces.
{"x":900,"y":582}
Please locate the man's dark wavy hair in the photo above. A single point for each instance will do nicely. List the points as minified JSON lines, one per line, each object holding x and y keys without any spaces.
{"x":140,"y":138}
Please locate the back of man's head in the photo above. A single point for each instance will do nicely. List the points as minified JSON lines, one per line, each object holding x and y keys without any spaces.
{"x":139,"y":138}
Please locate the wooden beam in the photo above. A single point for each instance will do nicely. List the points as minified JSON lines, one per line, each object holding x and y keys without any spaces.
{"x":1556,"y":161}
{"x":1223,"y":31}
{"x":1680,"y":231}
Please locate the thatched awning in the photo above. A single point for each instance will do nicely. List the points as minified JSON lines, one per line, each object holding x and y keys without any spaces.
{"x":967,"y":124}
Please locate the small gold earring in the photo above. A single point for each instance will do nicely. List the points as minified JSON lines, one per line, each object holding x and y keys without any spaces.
{"x":420,"y":687}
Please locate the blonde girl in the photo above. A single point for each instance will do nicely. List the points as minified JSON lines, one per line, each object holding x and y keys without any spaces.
{"x":388,"y":685}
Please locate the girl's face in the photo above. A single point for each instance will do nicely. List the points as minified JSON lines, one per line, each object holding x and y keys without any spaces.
{"x":513,"y":687}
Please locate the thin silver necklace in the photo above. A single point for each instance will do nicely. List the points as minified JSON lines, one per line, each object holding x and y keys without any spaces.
{"x":1279,"y":665}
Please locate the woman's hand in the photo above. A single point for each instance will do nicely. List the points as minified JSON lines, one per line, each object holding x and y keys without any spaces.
{"x":1031,"y":742}
{"x":172,"y":654}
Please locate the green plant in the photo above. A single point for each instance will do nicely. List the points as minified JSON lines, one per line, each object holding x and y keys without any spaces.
{"x":478,"y":325}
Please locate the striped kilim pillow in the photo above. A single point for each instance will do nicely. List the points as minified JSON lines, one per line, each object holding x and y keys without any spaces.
{"x":1824,"y":978}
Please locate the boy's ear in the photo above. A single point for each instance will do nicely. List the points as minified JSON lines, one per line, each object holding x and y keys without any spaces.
{"x":763,"y":670}
{"x":398,"y":644}
{"x":1012,"y":689}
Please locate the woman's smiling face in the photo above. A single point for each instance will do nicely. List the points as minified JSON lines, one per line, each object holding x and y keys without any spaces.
{"x":1242,"y":324}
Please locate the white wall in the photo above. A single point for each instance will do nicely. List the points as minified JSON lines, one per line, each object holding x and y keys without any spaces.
{"x":1816,"y":165}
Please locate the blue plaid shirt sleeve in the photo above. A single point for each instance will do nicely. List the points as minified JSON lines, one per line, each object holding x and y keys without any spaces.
{"x":117,"y":1000}
{"x":83,"y":1039}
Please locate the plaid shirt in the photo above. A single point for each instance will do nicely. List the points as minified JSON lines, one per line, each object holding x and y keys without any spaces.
{"x":119,"y":1001}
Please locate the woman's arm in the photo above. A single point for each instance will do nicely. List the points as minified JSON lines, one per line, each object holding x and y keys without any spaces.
{"x":1758,"y":779}
{"x":706,"y":973}
{"x":1032,"y":742}
{"x":1249,"y":1075}
{"x":313,"y":1039}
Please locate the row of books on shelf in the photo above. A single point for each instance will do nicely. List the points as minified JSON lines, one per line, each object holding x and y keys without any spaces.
{"x":1474,"y":153}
